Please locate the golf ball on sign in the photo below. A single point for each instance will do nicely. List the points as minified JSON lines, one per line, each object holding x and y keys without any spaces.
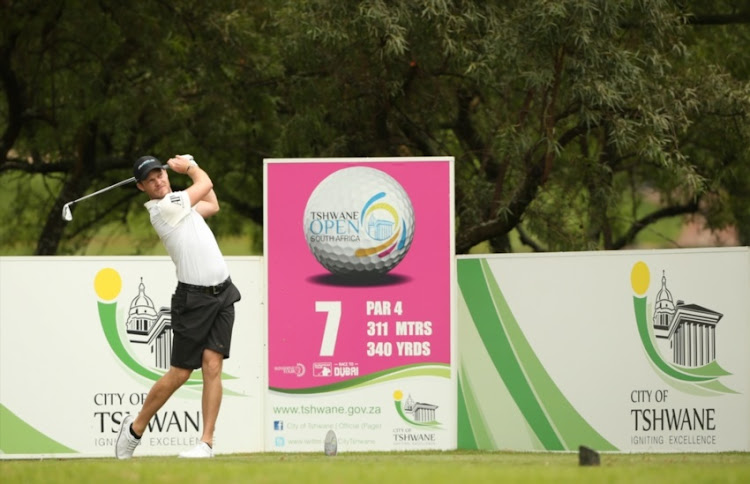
{"x":359,"y":221}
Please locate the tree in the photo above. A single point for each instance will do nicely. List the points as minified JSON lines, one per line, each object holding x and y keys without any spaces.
{"x":560,"y":113}
{"x":574,"y":123}
{"x":90,"y":87}
{"x":717,"y":39}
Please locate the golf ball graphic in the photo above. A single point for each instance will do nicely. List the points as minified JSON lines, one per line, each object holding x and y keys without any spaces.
{"x":359,"y":221}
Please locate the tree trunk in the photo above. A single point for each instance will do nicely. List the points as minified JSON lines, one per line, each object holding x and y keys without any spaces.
{"x":49,"y":240}
{"x":78,"y":181}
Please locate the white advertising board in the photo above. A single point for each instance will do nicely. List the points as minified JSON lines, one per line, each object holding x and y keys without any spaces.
{"x":82,"y":339}
{"x":632,"y":351}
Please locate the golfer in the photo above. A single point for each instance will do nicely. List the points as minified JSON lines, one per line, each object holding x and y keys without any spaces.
{"x":202,"y":304}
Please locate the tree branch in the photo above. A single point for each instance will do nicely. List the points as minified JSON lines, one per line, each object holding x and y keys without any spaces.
{"x":651,"y":218}
{"x":13,"y":97}
{"x":527,"y":240}
{"x":468,"y":135}
{"x":33,"y":168}
{"x":719,"y":19}
{"x":505,"y":164}
{"x":521,"y":199}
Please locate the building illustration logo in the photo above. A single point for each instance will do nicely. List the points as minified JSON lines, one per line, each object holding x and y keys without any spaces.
{"x":679,"y":338}
{"x":147,"y":326}
{"x":143,"y":341}
{"x":418,"y":414}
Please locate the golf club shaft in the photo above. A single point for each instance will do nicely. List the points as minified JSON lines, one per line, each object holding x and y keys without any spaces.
{"x":67,"y":215}
{"x":120,"y":183}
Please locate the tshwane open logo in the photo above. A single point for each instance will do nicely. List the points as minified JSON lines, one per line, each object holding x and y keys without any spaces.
{"x":687,"y":331}
{"x":145,"y":325}
{"x":359,"y":221}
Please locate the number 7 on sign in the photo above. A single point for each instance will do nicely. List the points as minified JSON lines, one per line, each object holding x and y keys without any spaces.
{"x":333,"y":308}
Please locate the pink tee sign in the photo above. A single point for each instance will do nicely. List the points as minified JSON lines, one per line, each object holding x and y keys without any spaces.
{"x":359,"y":256}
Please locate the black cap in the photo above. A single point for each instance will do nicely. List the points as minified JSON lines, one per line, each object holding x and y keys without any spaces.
{"x":143,"y":166}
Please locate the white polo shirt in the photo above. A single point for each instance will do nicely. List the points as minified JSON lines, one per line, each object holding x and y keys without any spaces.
{"x":188,"y":240}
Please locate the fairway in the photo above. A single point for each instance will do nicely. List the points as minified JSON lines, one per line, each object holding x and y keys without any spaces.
{"x":411,"y":467}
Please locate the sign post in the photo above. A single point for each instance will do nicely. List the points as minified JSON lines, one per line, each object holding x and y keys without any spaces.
{"x":359,"y":261}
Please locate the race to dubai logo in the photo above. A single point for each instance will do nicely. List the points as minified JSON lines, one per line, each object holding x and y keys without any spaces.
{"x":679,"y":338}
{"x":144,"y":327}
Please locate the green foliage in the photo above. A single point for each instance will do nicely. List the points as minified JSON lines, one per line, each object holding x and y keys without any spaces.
{"x":18,"y":234}
{"x":563,"y":116}
{"x":102,"y":84}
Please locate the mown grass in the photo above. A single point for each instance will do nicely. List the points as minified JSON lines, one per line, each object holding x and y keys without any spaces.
{"x":407,"y":467}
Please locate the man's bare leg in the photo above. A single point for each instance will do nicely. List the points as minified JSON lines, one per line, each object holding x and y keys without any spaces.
{"x":158,"y":396}
{"x":212,"y":393}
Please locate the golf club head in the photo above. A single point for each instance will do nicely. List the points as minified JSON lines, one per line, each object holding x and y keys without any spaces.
{"x":67,"y":215}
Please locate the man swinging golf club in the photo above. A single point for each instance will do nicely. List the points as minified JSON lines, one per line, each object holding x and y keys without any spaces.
{"x":202,"y":304}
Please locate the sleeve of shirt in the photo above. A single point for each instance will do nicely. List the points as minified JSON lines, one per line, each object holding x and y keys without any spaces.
{"x":174,"y":207}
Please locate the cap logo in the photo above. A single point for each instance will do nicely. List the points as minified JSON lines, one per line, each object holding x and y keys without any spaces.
{"x":145,"y":162}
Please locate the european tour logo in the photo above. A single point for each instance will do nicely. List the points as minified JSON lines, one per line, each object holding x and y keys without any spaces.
{"x":145,"y":326}
{"x":679,"y":338}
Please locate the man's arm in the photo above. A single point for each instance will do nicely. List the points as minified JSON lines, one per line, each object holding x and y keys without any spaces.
{"x":201,"y":192}
{"x":209,"y":205}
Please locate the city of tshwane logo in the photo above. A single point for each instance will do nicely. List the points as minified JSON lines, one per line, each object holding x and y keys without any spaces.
{"x":146,"y":327}
{"x":685,"y":333}
{"x":414,"y":413}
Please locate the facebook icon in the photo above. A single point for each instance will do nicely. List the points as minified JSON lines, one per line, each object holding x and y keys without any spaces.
{"x":278,"y":425}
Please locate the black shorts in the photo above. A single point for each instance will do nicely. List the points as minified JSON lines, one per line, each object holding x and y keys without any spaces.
{"x":201,"y":320}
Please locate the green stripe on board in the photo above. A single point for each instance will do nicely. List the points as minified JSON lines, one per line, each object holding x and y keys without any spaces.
{"x":474,"y":287}
{"x":18,"y":437}
{"x":479,"y":429}
{"x":465,"y":434}
{"x":571,"y":427}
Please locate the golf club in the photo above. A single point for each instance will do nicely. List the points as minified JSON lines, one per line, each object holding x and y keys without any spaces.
{"x":67,"y":215}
